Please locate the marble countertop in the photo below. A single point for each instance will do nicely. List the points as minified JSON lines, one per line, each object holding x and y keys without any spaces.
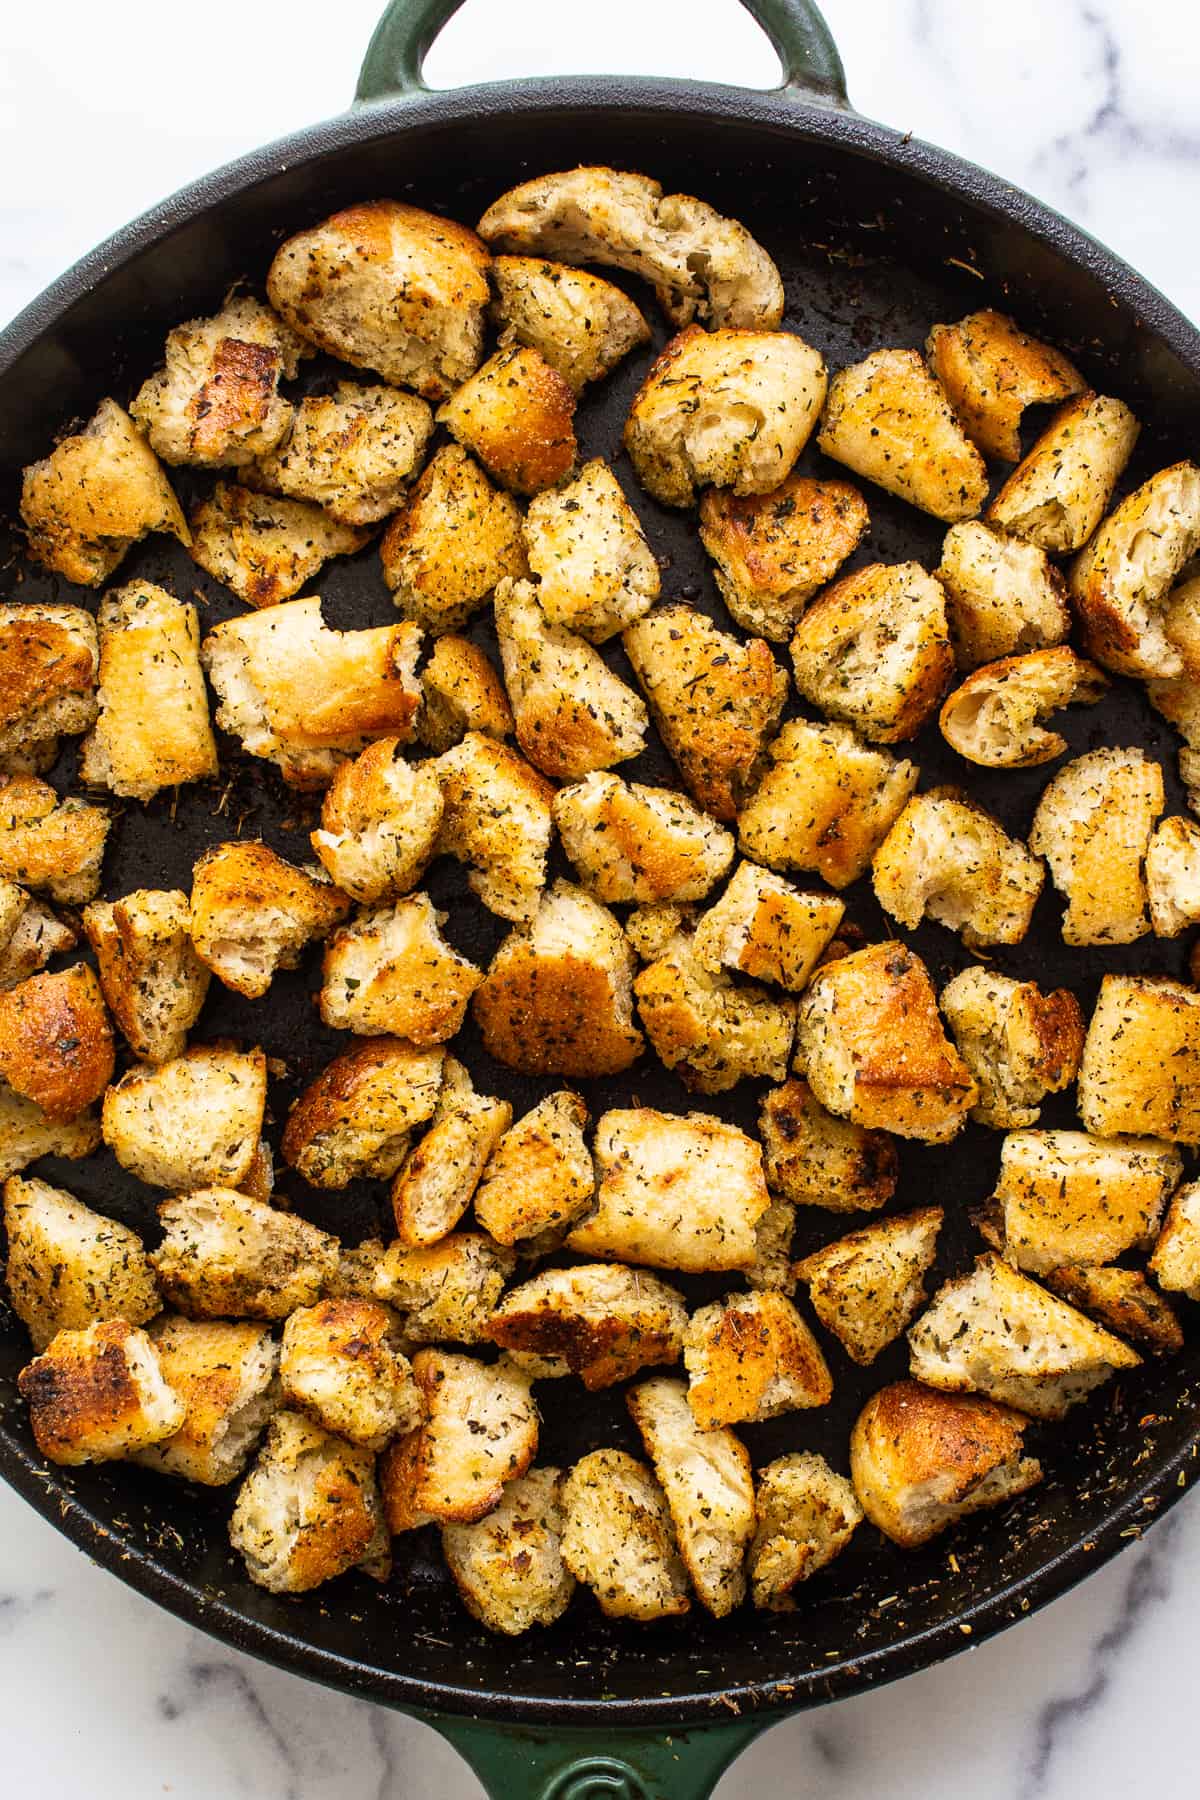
{"x":1089,"y":103}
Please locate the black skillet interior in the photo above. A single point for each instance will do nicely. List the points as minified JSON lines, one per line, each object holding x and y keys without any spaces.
{"x":871,"y":255}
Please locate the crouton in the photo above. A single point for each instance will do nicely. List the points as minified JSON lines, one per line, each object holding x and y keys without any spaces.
{"x":866,"y":1287}
{"x":385,"y":286}
{"x":26,"y":1133}
{"x":774,"y":551}
{"x":605,"y":1322}
{"x":889,"y":420}
{"x":1175,"y":1263}
{"x":253,"y":913}
{"x":705,"y":1476}
{"x":379,"y":823}
{"x":357,"y":1267}
{"x":69,"y":1266}
{"x":98,"y":1394}
{"x":97,"y":494}
{"x":192,"y":1122}
{"x":437,"y":1180}
{"x":805,"y":1515}
{"x":557,"y":998}
{"x":226,"y":1374}
{"x":1003,"y":597}
{"x":339,"y":1364}
{"x":462,"y":692}
{"x":596,"y":573}
{"x":729,"y":408}
{"x":652,"y":928}
{"x":355,"y":1119}
{"x":306,"y":697}
{"x":1173,"y":876}
{"x":1056,"y":496}
{"x":480,"y":1432}
{"x":675,"y":1191}
{"x":56,"y":1042}
{"x":873,"y":1047}
{"x":1181,"y":622}
{"x":825,"y":803}
{"x":751,"y":1357}
{"x":700,"y":264}
{"x":632,"y":842}
{"x":998,"y":1333}
{"x":766,"y":928}
{"x":509,"y":1567}
{"x":516,"y":415}
{"x":446,"y":1291}
{"x":1179,"y":703}
{"x":815,"y":1159}
{"x":262,"y":548}
{"x":582,"y":325}
{"x":1019,"y":1043}
{"x":497,"y":820}
{"x":991,"y":371}
{"x":1093,"y":825}
{"x":922,"y":1460}
{"x":619,"y":1539}
{"x":539,"y":1176}
{"x":1140,"y":1070}
{"x":30,"y":939}
{"x":572,"y":714}
{"x":771,"y":1271}
{"x":56,"y":846}
{"x":215,"y":402}
{"x":995,"y":717}
{"x":392,"y":971}
{"x":224,"y":1255}
{"x":352,"y":452}
{"x":945,"y":858}
{"x":1124,"y":1301}
{"x":49,"y":657}
{"x":713,"y":1033}
{"x":1121,"y":583}
{"x":153,"y":980}
{"x":309,"y":1509}
{"x":874,"y":650}
{"x":452,"y":540}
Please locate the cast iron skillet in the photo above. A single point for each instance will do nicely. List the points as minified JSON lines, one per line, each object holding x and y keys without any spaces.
{"x":877,"y":236}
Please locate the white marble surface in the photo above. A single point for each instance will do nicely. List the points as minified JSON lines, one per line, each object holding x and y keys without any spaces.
{"x":1090,"y":103}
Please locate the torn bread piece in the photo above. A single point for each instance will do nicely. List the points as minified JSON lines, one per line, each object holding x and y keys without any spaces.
{"x":813,"y":1158}
{"x":352,"y":452}
{"x":1019,"y":1043}
{"x":392,"y":971}
{"x":888,"y":419}
{"x":153,"y":979}
{"x":98,"y":1394}
{"x":1179,"y":703}
{"x":462,"y":691}
{"x":771,"y":1271}
{"x":866,"y":1287}
{"x":189,"y":1123}
{"x":1064,"y":1197}
{"x":1140,"y":1070}
{"x":1093,"y":825}
{"x":224,"y":1255}
{"x":253,"y":913}
{"x":227,"y":1375}
{"x":712,"y":1032}
{"x":263,"y":548}
{"x":26,"y":1133}
{"x":68,"y":1266}
{"x":946,"y":858}
{"x":509,"y":1567}
{"x":631,"y":842}
{"x":1004,"y":597}
{"x":1123,"y":1301}
{"x":480,"y":1432}
{"x":453,"y":539}
{"x":605,"y":1322}
{"x":437,"y":1180}
{"x":51,"y":845}
{"x":581,"y":324}
{"x":995,"y":717}
{"x":516,"y":414}
{"x":751,"y":1357}
{"x":309,"y":1510}
{"x":497,"y":821}
{"x":31,"y":934}
{"x":379,"y":823}
{"x":1175,"y":1263}
{"x":1056,"y":496}
{"x":595,"y":571}
{"x":446,"y":1291}
{"x":772,"y":552}
{"x":805,"y":1515}
{"x":1173,"y":876}
{"x":56,"y":1041}
{"x":357,"y":1117}
{"x":539,"y":1176}
{"x":153,"y":730}
{"x":1121,"y":583}
{"x":49,"y":660}
{"x":874,"y":650}
{"x":991,"y":371}
{"x":340,"y":1365}
{"x":619,"y":1539}
{"x":764,"y":927}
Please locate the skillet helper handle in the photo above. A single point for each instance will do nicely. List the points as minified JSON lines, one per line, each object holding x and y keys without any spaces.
{"x":392,"y":68}
{"x":523,"y":1762}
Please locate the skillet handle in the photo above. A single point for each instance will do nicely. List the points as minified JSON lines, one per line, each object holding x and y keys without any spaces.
{"x":392,"y":67}
{"x":522,"y":1762}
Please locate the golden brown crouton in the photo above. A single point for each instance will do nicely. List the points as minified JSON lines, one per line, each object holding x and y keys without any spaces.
{"x":998,"y":1333}
{"x":604,"y":1321}
{"x":69,"y":1266}
{"x":1173,"y":876}
{"x":871,"y":1042}
{"x":1175,"y":1263}
{"x":224,"y":1255}
{"x":1093,"y":825}
{"x":497,"y":820}
{"x":387,"y":287}
{"x":226,"y":1374}
{"x":1056,"y":497}
{"x":1018,"y":1043}
{"x":254,"y":913}
{"x":56,"y":1042}
{"x":509,"y":1567}
{"x":153,"y":980}
{"x":806,"y":1514}
{"x":355,"y":1119}
{"x":480,"y":1432}
{"x":98,"y":1394}
{"x":713,"y":1033}
{"x":1141,"y":1060}
{"x":192,"y":1122}
{"x":866,"y":1287}
{"x":1181,"y":621}
{"x":676,"y":1191}
{"x":262,"y":548}
{"x":340,"y":1365}
{"x":825,"y":803}
{"x":1121,"y":583}
{"x":991,"y":371}
{"x":651,"y":929}
{"x":725,"y":408}
{"x":97,"y":494}
{"x":434,"y":1187}
{"x":452,"y":540}
{"x":771,"y":1271}
{"x":596,"y":572}
{"x":995,"y":717}
{"x":49,"y":658}
{"x":352,"y":452}
{"x":888,"y":419}
{"x":379,"y":823}
{"x":539,"y":1176}
{"x":766,"y":928}
{"x":815,"y":1159}
{"x":1179,"y":703}
{"x":751,"y":1357}
{"x":1124,"y":1301}
{"x":706,"y":1478}
{"x":1065,"y":1197}
{"x":392,"y":971}
{"x":581,"y":324}
{"x":1003,"y":596}
{"x":50,"y":844}
{"x":921,"y":1460}
{"x":26,"y":1133}
{"x":774,"y":551}
{"x":632,"y":842}
{"x":309,"y":1509}
{"x":874,"y":650}
{"x":30,"y":934}
{"x":558,"y":998}
{"x":516,"y":415}
{"x":945,"y":858}
{"x":462,"y":692}
{"x":446,"y":1291}
{"x":619,"y":1539}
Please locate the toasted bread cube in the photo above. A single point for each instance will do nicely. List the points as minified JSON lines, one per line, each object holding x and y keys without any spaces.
{"x":379,"y":823}
{"x":771,"y":1271}
{"x":446,"y":1291}
{"x":1181,"y":622}
{"x":26,"y":1133}
{"x":872,"y":1045}
{"x":50,"y":845}
{"x":995,"y":717}
{"x":866,"y":1287}
{"x":1056,"y":497}
{"x":705,"y":1476}
{"x":497,"y":820}
{"x":1124,"y":1301}
{"x":340,"y":1365}
{"x":539,"y":1176}
{"x":774,"y":551}
{"x":618,"y":1538}
{"x":998,"y":1333}
{"x":921,"y":1460}
{"x":392,"y":971}
{"x":945,"y":858}
{"x":227,"y":1376}
{"x":56,"y":1042}
{"x":68,"y":1266}
{"x":355,"y":1119}
{"x":712,"y":1032}
{"x":462,"y":692}
{"x":815,"y":1159}
{"x":98,"y":1394}
{"x":675,"y":1191}
{"x":1173,"y":876}
{"x":480,"y":1432}
{"x":253,"y":913}
{"x":452,"y":540}
{"x":1179,"y":703}
{"x":632,"y":842}
{"x":153,"y":979}
{"x":153,"y":730}
{"x":1018,"y":1043}
{"x":874,"y":650}
{"x":509,"y":1566}
{"x":581,"y":324}
{"x":806,"y":1515}
{"x":435,"y":1185}
{"x":30,"y":938}
{"x":1121,"y":583}
{"x":825,"y":803}
{"x":1175,"y":1263}
{"x":262,"y":548}
{"x":49,"y":658}
{"x":558,"y":995}
{"x":596,"y":572}
{"x":1093,"y":825}
{"x":97,"y":494}
{"x":889,"y":420}
{"x":1003,"y":596}
{"x":357,"y":1267}
{"x":1141,"y":1060}
{"x":751,"y":1357}
{"x":352,"y":452}
{"x":605,"y":1322}
{"x":309,"y":1509}
{"x":224,"y":1255}
{"x":192,"y":1122}
{"x":991,"y":371}
{"x":651,"y":929}
{"x":767,"y":929}
{"x":516,"y":415}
